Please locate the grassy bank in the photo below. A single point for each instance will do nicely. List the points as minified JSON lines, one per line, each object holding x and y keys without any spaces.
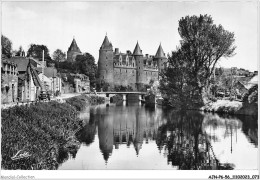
{"x":222,"y":106}
{"x":41,"y":135}
{"x":248,"y":106}
{"x":81,"y":101}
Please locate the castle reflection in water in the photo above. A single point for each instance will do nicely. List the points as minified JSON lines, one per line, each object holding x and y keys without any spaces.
{"x":125,"y":126}
{"x":190,"y":140}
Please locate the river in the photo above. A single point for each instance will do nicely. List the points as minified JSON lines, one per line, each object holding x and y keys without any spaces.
{"x":135,"y":137}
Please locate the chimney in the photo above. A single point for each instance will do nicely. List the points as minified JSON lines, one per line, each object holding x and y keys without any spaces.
{"x":116,"y":51}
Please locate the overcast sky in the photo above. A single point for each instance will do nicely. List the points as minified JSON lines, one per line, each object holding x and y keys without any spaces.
{"x":55,"y":23}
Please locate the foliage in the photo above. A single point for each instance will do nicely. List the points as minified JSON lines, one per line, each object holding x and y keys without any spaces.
{"x":58,"y":55}
{"x":19,"y":52}
{"x":36,"y":51}
{"x":66,"y":67}
{"x":80,"y":102}
{"x":6,"y":46}
{"x":41,"y":130}
{"x":251,"y":97}
{"x":85,"y":64}
{"x":190,"y":67}
{"x":104,"y":86}
{"x":123,"y":88}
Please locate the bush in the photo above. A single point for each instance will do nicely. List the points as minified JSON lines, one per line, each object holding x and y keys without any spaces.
{"x":251,"y":96}
{"x":41,"y":130}
{"x":79,"y":102}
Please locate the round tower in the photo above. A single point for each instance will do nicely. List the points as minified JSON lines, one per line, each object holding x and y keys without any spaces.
{"x":106,"y":64}
{"x":73,"y":51}
{"x":160,"y":58}
{"x":139,"y":67}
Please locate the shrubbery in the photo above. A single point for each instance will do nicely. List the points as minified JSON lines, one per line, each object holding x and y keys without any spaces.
{"x":251,"y":97}
{"x":81,"y":101}
{"x":41,"y":130}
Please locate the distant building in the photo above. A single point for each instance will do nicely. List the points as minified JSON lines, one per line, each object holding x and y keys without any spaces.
{"x":73,"y":51}
{"x":82,"y":83}
{"x":9,"y":81}
{"x":53,"y":84}
{"x":253,"y":81}
{"x":128,"y":69}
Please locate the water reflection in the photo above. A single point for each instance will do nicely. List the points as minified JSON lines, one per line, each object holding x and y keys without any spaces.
{"x":134,"y":137}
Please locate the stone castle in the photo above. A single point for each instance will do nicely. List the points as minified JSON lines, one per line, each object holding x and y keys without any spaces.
{"x":128,"y":69}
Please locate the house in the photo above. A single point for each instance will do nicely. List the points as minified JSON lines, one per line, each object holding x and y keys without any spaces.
{"x":82,"y":83}
{"x":253,"y":81}
{"x":9,"y":81}
{"x":75,"y":83}
{"x":29,"y":84}
{"x":51,"y":78}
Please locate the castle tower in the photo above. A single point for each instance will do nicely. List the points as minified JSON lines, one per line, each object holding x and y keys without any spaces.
{"x":140,"y":67}
{"x":106,"y":64}
{"x":160,"y":58}
{"x":73,"y":51}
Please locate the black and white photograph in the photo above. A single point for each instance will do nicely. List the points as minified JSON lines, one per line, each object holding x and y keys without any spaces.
{"x":145,"y":86}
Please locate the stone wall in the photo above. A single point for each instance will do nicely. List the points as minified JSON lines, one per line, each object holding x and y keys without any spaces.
{"x":9,"y":83}
{"x":9,"y":88}
{"x":125,"y":76}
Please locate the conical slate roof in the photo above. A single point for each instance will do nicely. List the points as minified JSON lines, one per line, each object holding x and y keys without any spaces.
{"x":74,"y":46}
{"x":106,"y":44}
{"x":137,"y":50}
{"x":160,"y":53}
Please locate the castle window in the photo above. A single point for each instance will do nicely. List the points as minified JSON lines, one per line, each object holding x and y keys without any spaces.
{"x":133,"y":64}
{"x":106,"y":57}
{"x":126,"y":71}
{"x":139,"y":67}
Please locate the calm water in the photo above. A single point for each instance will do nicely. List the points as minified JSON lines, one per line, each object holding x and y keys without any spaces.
{"x":135,"y":137}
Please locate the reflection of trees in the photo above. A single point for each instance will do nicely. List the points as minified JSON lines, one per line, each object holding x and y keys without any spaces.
{"x":87,"y":134}
{"x":250,"y":127}
{"x":185,"y":145}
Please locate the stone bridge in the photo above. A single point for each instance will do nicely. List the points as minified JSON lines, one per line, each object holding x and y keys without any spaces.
{"x":125,"y":94}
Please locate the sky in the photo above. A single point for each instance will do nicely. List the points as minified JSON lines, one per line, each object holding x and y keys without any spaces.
{"x":54,"y":24}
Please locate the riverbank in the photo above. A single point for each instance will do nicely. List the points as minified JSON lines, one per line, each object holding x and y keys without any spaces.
{"x":42,"y":135}
{"x":230,"y":107}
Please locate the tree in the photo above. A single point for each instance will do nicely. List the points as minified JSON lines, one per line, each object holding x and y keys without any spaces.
{"x":85,"y":64}
{"x":19,"y":52}
{"x":58,"y":55}
{"x":6,"y":46}
{"x":35,"y":51}
{"x":203,"y":44}
{"x":176,"y":82}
